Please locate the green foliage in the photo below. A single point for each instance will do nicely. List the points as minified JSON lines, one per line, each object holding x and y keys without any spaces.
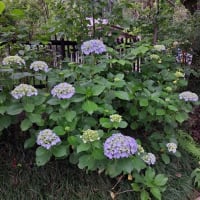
{"x":111,"y":96}
{"x":149,"y":184}
{"x":188,"y":144}
{"x":2,"y":7}
{"x":196,"y":176}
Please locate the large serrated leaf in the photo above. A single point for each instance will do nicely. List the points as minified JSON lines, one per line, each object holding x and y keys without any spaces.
{"x":25,"y":124}
{"x":90,"y":107}
{"x":122,"y":95}
{"x":14,"y":109}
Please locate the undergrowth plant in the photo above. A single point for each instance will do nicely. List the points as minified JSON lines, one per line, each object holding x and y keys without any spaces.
{"x":102,"y":114}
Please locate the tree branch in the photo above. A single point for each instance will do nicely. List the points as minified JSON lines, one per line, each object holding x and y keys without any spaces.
{"x":171,"y":3}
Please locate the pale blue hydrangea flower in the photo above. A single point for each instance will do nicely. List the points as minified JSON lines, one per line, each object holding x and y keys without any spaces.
{"x":47,"y":138}
{"x":171,"y":147}
{"x":149,"y":158}
{"x":93,"y":46}
{"x":89,"y":136}
{"x":9,"y":60}
{"x":120,"y":146}
{"x":39,"y":66}
{"x":24,"y":90}
{"x":188,"y":96}
{"x":63,"y":91}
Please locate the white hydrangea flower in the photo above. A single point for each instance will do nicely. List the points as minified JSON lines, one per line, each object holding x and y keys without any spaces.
{"x":171,"y":147}
{"x":159,"y":47}
{"x":10,"y":60}
{"x":39,"y":66}
{"x":149,"y":158}
{"x":24,"y":90}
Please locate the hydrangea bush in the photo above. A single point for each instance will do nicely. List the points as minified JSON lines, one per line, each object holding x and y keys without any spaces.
{"x":105,"y":115}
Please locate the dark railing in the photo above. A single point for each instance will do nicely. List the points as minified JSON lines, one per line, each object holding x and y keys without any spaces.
{"x":60,"y":49}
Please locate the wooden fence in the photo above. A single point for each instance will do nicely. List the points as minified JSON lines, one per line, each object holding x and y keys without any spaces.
{"x":61,"y":49}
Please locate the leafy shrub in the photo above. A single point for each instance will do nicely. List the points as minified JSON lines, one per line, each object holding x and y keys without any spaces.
{"x":102,"y":113}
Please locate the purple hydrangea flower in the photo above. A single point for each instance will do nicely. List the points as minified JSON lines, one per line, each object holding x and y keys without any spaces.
{"x":24,"y":90}
{"x":149,"y":158}
{"x":39,"y":66}
{"x":93,"y":46}
{"x":119,"y":146}
{"x":47,"y":138}
{"x":188,"y":96}
{"x":63,"y":91}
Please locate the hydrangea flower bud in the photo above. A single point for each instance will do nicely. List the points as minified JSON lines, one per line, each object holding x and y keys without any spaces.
{"x":115,"y":118}
{"x":149,"y":158}
{"x":9,"y":60}
{"x":179,"y":74}
{"x":47,"y":138}
{"x":120,"y":146}
{"x":93,"y":46}
{"x":154,"y":56}
{"x":90,"y":136}
{"x":24,"y":90}
{"x":140,"y":150}
{"x":171,"y":147}
{"x":63,"y":91}
{"x":188,"y":96}
{"x":39,"y":66}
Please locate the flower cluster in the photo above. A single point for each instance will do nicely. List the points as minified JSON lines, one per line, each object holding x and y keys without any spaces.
{"x":149,"y":158}
{"x":63,"y":91}
{"x":184,"y":57}
{"x":159,"y":47}
{"x":119,"y":146}
{"x":9,"y":60}
{"x":39,"y":66}
{"x":155,"y":57}
{"x":90,"y":136}
{"x":23,"y":90}
{"x":179,"y":74}
{"x":47,"y":138}
{"x":115,"y":118}
{"x":171,"y":147}
{"x":188,"y":96}
{"x":93,"y":46}
{"x":140,"y":150}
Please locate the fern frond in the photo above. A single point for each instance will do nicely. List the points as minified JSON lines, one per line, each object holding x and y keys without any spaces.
{"x":188,"y":144}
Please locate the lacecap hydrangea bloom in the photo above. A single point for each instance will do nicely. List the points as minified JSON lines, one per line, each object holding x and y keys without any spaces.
{"x":47,"y":138}
{"x":90,"y":136}
{"x":115,"y":118}
{"x":149,"y":158}
{"x":63,"y":91}
{"x":171,"y":147}
{"x":93,"y":46}
{"x":120,"y":146}
{"x":24,"y":90}
{"x":9,"y":60}
{"x":188,"y":96}
{"x":39,"y":66}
